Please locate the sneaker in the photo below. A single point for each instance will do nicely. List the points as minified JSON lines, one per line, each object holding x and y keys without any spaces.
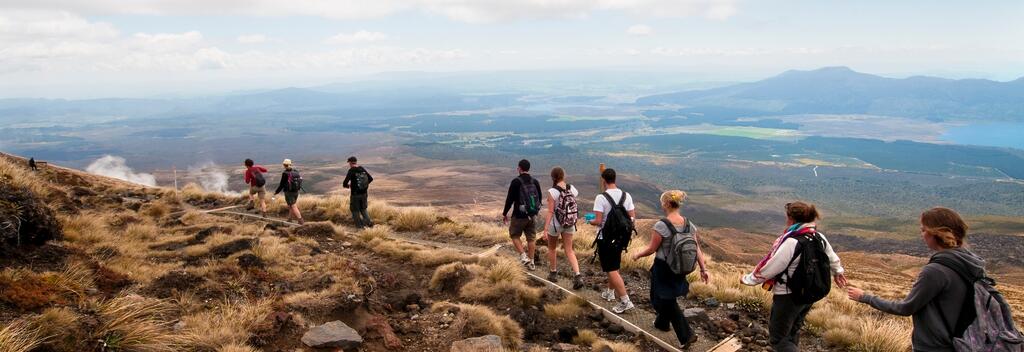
{"x":553,"y":276}
{"x":577,"y":282}
{"x":622,"y":307}
{"x":529,"y":265}
{"x":608,"y":295}
{"x":666,"y":328}
{"x":686,"y":346}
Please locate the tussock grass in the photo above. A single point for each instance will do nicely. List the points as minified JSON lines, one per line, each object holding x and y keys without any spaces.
{"x":450,"y":277}
{"x":418,"y":254}
{"x":19,"y":176}
{"x":382,"y":212}
{"x":586,"y":337}
{"x":19,"y":336}
{"x":56,"y":327}
{"x":600,"y":345}
{"x":414,"y":219}
{"x":480,"y":320}
{"x":376,"y":232}
{"x":226,"y":325}
{"x":841,"y":337}
{"x":477,"y":231}
{"x":883,"y":335}
{"x":155,"y":210}
{"x":84,"y":229}
{"x":503,"y":280}
{"x":236,"y":348}
{"x":570,"y":307}
{"x":133,"y":323}
{"x":75,"y":278}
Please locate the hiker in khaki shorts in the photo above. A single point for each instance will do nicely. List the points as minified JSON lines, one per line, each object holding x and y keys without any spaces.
{"x":257,"y":190}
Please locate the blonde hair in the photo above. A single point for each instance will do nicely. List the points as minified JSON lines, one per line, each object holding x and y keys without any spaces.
{"x":945,"y":225}
{"x":674,"y":198}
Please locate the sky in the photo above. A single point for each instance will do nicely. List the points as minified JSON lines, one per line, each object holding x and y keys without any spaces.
{"x":138,"y":48}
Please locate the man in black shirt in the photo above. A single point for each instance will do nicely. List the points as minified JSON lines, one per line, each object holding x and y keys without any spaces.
{"x":524,"y":194}
{"x":358,"y":180}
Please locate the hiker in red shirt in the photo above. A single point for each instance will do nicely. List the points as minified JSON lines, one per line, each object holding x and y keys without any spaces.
{"x":254,"y":178}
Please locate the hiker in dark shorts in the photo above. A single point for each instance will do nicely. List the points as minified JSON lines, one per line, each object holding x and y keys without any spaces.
{"x":524,"y":198}
{"x":257,"y":186}
{"x":609,"y":255}
{"x":291,"y":184}
{"x":32,"y":164}
{"x":358,"y":180}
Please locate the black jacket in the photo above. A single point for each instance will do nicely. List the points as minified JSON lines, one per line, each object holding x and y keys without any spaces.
{"x":351,"y":177}
{"x":512,"y":198}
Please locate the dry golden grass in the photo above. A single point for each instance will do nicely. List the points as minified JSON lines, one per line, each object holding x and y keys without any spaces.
{"x":226,"y":325}
{"x":502,"y":280}
{"x":418,"y":254}
{"x":414,"y":219}
{"x":841,"y":337}
{"x":84,"y":229}
{"x":19,"y":336}
{"x":75,"y":278}
{"x":56,"y":327}
{"x":570,"y":307}
{"x":376,"y":232}
{"x":476,"y":231}
{"x":21,"y":177}
{"x":481,"y":320}
{"x":586,"y":337}
{"x":236,"y":348}
{"x":884,"y":335}
{"x":448,"y":276}
{"x":135,"y":323}
{"x":155,"y":210}
{"x":382,"y":212}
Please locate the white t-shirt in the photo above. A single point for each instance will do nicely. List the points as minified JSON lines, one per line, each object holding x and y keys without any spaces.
{"x":601,"y":204}
{"x":555,"y":194}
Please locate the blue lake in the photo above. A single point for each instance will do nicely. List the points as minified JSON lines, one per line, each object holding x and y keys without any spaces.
{"x":1008,"y":134}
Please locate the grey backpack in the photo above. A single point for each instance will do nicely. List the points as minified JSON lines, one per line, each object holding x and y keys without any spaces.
{"x":991,"y":328}
{"x":682,"y":258}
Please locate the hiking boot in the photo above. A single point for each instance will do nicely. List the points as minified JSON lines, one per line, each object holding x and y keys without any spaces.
{"x":250,"y":207}
{"x":622,"y":307}
{"x":686,"y":346}
{"x":529,"y":265}
{"x":302,"y":222}
{"x":665,"y":328}
{"x":608,"y":295}
{"x":553,"y":276}
{"x":577,"y":282}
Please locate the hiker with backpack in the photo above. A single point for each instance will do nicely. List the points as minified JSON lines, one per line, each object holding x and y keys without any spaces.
{"x":560,"y":222}
{"x":524,"y":200}
{"x":291,"y":184}
{"x":32,"y":164}
{"x":797,"y":270}
{"x":952,"y":300}
{"x":677,"y":253}
{"x":614,"y":215}
{"x":358,"y":180}
{"x":257,"y":185}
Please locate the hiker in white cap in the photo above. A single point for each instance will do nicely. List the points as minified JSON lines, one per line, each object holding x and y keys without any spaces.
{"x":291,"y":184}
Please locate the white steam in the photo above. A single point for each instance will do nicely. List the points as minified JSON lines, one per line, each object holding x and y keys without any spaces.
{"x":116,"y":167}
{"x":212,"y":178}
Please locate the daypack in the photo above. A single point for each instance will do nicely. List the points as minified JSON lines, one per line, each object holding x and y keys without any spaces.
{"x":361,"y":181}
{"x":257,"y":178}
{"x":618,"y":227}
{"x":294,"y":181}
{"x":529,"y":196}
{"x":812,"y":279}
{"x":567,"y":210}
{"x":682,"y":257}
{"x":989,"y":325}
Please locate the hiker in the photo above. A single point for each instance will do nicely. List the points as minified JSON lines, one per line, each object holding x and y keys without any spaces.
{"x":560,"y":222}
{"x":257,"y":186}
{"x":524,"y":199}
{"x":32,"y":164}
{"x":793,"y":292}
{"x":291,"y":184}
{"x":358,"y":180}
{"x":674,"y":233}
{"x":614,"y":215}
{"x":940,"y":301}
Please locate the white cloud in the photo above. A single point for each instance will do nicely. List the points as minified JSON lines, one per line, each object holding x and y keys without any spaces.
{"x":361,"y":36}
{"x":473,"y":11}
{"x":252,"y":39}
{"x":47,"y":25}
{"x":164,"y":42}
{"x":640,"y":30}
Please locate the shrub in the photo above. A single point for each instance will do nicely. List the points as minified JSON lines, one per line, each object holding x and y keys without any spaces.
{"x":480,"y":320}
{"x":19,"y":336}
{"x":570,"y":307}
{"x":414,"y":219}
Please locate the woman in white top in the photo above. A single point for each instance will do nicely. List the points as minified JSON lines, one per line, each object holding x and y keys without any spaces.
{"x":561,"y":200}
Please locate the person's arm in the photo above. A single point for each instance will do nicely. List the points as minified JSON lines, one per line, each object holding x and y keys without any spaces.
{"x":928,"y":285}
{"x":549,"y":214}
{"x":348,"y":179}
{"x":700,"y":257}
{"x":261,"y":169}
{"x":834,"y":263}
{"x":652,"y":247}
{"x":248,"y":177}
{"x":779,"y":261}
{"x":510,"y":198}
{"x":282,"y":184}
{"x":369,"y":178}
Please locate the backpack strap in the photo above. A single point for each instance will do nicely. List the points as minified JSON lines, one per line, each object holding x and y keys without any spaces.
{"x":622,"y":200}
{"x":611,"y":201}
{"x":781,"y":278}
{"x":670,"y":225}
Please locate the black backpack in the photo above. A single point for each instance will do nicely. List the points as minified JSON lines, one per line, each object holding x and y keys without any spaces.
{"x":529,"y":196}
{"x":618,"y":227}
{"x":294,"y":181}
{"x":258,"y":179}
{"x":361,"y":181}
{"x":812,"y":279}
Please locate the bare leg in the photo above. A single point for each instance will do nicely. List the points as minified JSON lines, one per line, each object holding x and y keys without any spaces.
{"x":531,"y":247}
{"x":516,"y":242}
{"x":570,"y":253}
{"x":552,"y":254}
{"x":615,"y":283}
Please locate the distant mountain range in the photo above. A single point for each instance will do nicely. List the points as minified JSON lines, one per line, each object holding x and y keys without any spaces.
{"x":840,"y":90}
